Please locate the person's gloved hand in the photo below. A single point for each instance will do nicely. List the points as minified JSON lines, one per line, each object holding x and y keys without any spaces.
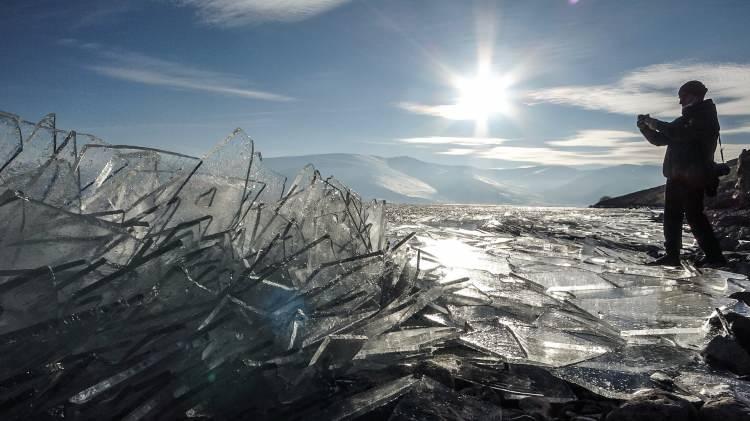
{"x":651,"y":123}
{"x":641,"y":123}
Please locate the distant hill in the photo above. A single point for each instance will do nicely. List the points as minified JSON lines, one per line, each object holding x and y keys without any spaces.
{"x":589,"y":186}
{"x":654,"y":197}
{"x":650,"y":198}
{"x":409,"y":180}
{"x":405,"y":180}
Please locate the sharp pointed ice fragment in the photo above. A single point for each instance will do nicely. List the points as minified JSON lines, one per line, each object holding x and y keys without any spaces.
{"x":337,"y":349}
{"x":407,"y":340}
{"x":364,"y":402}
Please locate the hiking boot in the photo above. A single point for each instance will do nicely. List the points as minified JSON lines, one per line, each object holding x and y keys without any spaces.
{"x":667,"y":260}
{"x":711,"y":262}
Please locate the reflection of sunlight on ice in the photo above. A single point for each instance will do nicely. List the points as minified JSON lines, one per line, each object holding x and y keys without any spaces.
{"x":454,"y":253}
{"x":460,"y":258}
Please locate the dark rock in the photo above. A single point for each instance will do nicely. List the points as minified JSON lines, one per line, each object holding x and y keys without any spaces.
{"x":724,"y":200}
{"x":586,"y":408}
{"x":743,"y":296}
{"x":724,"y":409}
{"x":655,"y":405}
{"x":536,"y":406}
{"x":733,"y":220}
{"x":740,"y":327}
{"x":742,"y":186}
{"x":431,"y":400}
{"x":728,"y":243}
{"x":726,"y":353}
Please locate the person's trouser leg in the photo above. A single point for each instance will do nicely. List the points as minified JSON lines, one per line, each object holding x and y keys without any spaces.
{"x":700,"y":225}
{"x":673,"y":214}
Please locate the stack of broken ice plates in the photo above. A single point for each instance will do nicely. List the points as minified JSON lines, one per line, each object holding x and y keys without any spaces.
{"x":138,"y":283}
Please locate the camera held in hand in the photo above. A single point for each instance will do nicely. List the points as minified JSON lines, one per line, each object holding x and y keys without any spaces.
{"x":721,"y":170}
{"x":641,"y":122}
{"x":718,"y":171}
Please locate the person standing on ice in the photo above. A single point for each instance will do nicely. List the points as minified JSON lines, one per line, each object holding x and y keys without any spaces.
{"x":689,"y":168}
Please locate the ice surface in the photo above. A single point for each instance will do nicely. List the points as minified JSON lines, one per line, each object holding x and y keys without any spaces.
{"x":575,"y":295}
{"x":138,"y":283}
{"x":431,"y":400}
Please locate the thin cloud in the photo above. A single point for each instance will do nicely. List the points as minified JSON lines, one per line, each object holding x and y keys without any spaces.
{"x":450,"y":112}
{"x":74,"y":16}
{"x":459,"y":141}
{"x":596,"y":139}
{"x":626,"y":153}
{"x":233,"y":13}
{"x":587,"y":147}
{"x":653,"y":89}
{"x":732,"y":150}
{"x":459,"y":152}
{"x":148,"y":70}
{"x":736,"y":130}
{"x":100,"y":13}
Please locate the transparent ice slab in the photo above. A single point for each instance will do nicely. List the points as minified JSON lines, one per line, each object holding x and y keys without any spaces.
{"x":364,"y":402}
{"x":407,"y":340}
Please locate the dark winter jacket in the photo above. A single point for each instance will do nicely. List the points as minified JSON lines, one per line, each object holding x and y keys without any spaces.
{"x":690,"y":141}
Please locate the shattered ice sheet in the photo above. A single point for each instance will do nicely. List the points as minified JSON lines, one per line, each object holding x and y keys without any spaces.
{"x":566,"y":288}
{"x":138,"y":283}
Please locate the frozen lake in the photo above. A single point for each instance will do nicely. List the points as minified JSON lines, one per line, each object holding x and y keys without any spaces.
{"x":144,"y":284}
{"x":567,"y":288}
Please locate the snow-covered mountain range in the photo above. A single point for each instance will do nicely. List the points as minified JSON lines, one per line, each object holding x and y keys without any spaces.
{"x":408,"y":180}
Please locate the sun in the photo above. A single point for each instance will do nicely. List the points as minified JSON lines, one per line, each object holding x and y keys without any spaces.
{"x":481,"y":97}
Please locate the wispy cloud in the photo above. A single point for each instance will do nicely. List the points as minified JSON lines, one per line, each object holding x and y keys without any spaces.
{"x":72,"y":42}
{"x":594,"y":146}
{"x":450,"y":111}
{"x":459,"y":141}
{"x":232,"y":13}
{"x":653,"y":90}
{"x":586,"y":147}
{"x":624,"y":153}
{"x":148,"y":70}
{"x":597,"y":139}
{"x":736,"y":130}
{"x":75,"y":15}
{"x":100,"y":13}
{"x":459,"y":152}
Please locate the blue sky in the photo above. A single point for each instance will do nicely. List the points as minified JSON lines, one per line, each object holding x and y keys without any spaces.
{"x":565,"y":78}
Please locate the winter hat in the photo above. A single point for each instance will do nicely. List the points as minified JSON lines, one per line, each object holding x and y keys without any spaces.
{"x":693,"y":87}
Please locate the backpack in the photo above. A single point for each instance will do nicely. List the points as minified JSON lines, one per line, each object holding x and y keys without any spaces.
{"x":716,"y":171}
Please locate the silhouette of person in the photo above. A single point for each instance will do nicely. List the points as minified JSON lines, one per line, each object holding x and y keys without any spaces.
{"x":688,"y":167}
